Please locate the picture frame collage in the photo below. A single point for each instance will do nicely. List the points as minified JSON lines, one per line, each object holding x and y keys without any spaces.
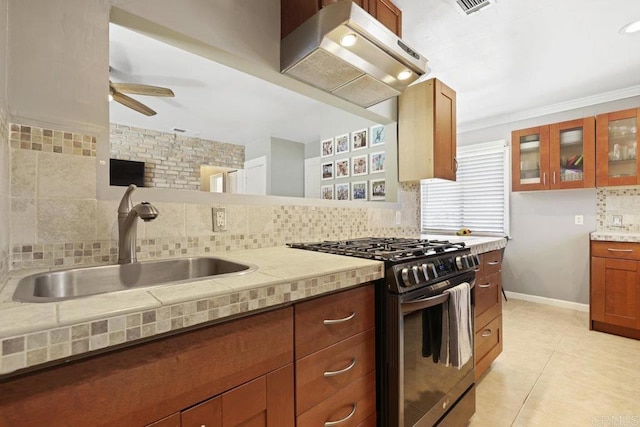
{"x":354,"y":155}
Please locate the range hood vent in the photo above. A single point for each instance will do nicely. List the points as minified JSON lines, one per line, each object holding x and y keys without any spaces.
{"x":365,"y":73}
{"x":470,"y":6}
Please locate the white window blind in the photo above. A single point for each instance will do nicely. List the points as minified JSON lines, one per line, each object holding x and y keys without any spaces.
{"x":477,"y":200}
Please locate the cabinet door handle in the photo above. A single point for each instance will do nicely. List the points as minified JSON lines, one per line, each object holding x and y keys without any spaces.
{"x":493,"y":262}
{"x":544,"y":178}
{"x":485,"y":286}
{"x":335,"y":423}
{"x":486,"y":333}
{"x":456,"y":165}
{"x":341,"y":371}
{"x":619,"y":250}
{"x":344,"y":319}
{"x":554,"y":177}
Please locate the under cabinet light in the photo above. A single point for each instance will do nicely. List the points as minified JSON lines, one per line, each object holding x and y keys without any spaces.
{"x":349,"y":40}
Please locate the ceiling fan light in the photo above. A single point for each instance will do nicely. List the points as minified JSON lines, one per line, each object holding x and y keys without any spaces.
{"x":631,"y":27}
{"x":404,"y":75}
{"x":349,"y":40}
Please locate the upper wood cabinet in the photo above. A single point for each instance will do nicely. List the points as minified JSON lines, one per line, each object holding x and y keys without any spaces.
{"x":295,"y":12}
{"x":556,"y":156}
{"x":617,"y":148}
{"x":427,"y":132}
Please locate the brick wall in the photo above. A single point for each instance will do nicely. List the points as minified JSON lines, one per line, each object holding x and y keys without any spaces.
{"x":172,"y":161}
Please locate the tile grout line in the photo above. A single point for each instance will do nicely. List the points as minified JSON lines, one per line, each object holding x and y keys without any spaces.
{"x":540,"y":375}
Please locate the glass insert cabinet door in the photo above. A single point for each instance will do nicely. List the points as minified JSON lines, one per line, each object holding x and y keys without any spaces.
{"x":617,"y":148}
{"x":572,"y":154}
{"x":530,"y":159}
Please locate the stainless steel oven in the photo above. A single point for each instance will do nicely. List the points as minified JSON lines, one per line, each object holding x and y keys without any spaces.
{"x":413,"y":388}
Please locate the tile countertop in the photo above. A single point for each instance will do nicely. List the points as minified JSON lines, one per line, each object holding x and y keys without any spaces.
{"x":612,"y":236}
{"x":33,"y":334}
{"x":477,"y":244}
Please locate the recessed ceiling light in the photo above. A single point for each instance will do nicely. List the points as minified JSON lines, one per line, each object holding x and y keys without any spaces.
{"x":348,"y":40}
{"x":632,"y":27}
{"x":404,"y":75}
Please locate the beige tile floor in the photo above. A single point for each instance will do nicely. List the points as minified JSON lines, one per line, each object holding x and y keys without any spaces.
{"x":555,"y":372}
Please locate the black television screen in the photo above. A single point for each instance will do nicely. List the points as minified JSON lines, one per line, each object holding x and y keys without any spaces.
{"x":125,"y":172}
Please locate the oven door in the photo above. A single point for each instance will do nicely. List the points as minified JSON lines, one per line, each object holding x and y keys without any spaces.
{"x":427,"y":389}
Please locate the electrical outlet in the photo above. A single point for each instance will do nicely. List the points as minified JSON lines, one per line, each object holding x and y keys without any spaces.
{"x":398,"y":217}
{"x":616,"y":220}
{"x":579,"y":219}
{"x":219,"y":219}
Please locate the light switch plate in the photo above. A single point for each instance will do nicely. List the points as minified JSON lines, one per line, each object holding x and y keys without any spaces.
{"x":616,"y":220}
{"x":219,"y":219}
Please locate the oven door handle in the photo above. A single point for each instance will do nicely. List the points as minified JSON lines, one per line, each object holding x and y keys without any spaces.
{"x":421,"y":304}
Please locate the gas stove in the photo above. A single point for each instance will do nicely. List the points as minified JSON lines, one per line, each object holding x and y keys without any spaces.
{"x":409,"y":263}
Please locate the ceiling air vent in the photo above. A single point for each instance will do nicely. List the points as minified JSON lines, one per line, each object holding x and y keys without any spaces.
{"x":470,"y":6}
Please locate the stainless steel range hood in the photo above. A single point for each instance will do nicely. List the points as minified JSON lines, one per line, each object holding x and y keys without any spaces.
{"x":366,"y":72}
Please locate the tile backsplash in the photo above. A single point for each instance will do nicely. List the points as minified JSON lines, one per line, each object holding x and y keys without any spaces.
{"x":5,"y":200}
{"x":618,"y":209}
{"x":56,"y":220}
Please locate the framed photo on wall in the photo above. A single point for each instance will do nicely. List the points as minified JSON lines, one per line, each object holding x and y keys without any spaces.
{"x":327,"y":170}
{"x":359,"y":139}
{"x":377,"y":135}
{"x":327,"y":147}
{"x":378,"y":189}
{"x":376,"y":162}
{"x":342,"y":191}
{"x":326,"y":192}
{"x":342,"y":168}
{"x":342,"y":143}
{"x":359,"y":190}
{"x":359,"y":165}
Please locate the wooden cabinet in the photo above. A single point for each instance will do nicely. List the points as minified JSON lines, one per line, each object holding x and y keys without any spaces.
{"x":295,"y":12}
{"x":617,"y":141}
{"x":615,"y":288}
{"x":488,"y":310}
{"x":169,"y":382}
{"x":427,"y":132}
{"x":556,"y":156}
{"x":335,"y":358}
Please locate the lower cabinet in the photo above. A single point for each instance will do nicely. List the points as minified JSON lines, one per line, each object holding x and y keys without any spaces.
{"x":615,"y":288}
{"x":237,"y":373}
{"x":335,"y":359}
{"x":488,"y":310}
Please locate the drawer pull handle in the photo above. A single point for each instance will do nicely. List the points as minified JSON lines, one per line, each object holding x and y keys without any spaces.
{"x":486,"y":333}
{"x":493,"y":262}
{"x":341,"y":371}
{"x":619,"y":250}
{"x":344,"y":319}
{"x":335,"y":423}
{"x":487,"y":285}
{"x":476,"y":270}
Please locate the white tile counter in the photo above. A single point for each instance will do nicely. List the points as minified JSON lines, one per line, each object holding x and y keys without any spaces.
{"x":35,"y":333}
{"x":477,"y":244}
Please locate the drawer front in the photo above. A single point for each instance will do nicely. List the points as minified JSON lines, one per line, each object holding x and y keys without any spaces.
{"x":488,"y":299}
{"x":488,"y":338}
{"x":620,"y":250}
{"x":491,"y":262}
{"x":327,"y":320}
{"x":353,"y":405}
{"x":326,"y":372}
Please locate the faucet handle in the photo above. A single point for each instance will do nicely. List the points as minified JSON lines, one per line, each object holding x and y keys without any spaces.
{"x":125,"y":204}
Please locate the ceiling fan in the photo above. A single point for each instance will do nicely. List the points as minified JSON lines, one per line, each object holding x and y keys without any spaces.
{"x":117,"y":93}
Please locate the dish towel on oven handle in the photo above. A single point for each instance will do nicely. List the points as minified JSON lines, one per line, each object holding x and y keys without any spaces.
{"x":457,"y":341}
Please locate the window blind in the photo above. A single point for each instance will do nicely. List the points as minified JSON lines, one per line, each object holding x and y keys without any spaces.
{"x":477,"y":200}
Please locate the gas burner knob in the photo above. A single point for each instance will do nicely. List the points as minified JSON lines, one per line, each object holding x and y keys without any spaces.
{"x":476,"y":260}
{"x":425,"y":271}
{"x":416,"y":270}
{"x":433,"y":269}
{"x":459,"y":263}
{"x":405,"y":277}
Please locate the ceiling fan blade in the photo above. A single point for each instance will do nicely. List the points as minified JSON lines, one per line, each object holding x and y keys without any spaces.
{"x":132,"y":103}
{"x":140,"y":89}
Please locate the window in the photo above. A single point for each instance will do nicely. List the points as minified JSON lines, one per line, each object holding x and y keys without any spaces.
{"x":478,"y":200}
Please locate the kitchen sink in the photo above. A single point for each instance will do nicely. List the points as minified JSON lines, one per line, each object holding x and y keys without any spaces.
{"x":79,"y":282}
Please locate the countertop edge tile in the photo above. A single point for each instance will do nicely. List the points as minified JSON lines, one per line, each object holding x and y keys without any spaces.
{"x":612,"y":236}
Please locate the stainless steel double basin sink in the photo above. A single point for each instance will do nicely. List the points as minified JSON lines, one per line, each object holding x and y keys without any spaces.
{"x":80,"y":282}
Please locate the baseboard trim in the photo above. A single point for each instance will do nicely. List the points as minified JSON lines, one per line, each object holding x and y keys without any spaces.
{"x":549,"y":301}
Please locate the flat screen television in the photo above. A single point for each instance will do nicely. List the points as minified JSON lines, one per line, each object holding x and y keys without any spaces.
{"x":125,"y":172}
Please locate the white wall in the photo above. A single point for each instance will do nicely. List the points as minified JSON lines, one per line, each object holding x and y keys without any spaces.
{"x":549,"y":254}
{"x":287,"y":168}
